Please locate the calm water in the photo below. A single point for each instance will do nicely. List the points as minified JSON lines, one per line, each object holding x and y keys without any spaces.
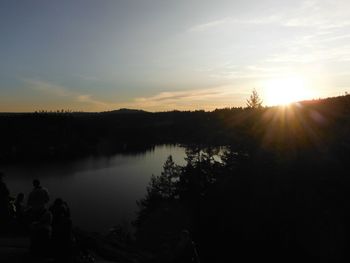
{"x":101,"y":192}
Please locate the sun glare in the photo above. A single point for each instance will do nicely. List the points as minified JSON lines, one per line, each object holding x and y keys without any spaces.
{"x":285,"y":91}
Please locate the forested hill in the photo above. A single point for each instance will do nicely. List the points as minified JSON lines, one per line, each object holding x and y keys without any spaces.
{"x":318,"y":125}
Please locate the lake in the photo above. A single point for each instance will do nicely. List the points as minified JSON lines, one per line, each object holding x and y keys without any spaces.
{"x":100,"y":191}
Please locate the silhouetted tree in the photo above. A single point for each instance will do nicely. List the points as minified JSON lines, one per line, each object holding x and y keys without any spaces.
{"x":161,"y":188}
{"x":165,"y":184}
{"x":254,"y":100}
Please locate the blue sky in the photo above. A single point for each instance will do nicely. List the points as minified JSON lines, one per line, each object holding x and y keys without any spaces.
{"x":164,"y":55}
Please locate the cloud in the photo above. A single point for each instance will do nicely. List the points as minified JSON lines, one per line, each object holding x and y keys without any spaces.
{"x":307,"y":57}
{"x":229,"y":21}
{"x":86,"y":77}
{"x":210,"y":98}
{"x":49,"y":88}
{"x":310,"y":39}
{"x":317,"y":46}
{"x":322,"y":15}
{"x":211,"y":24}
{"x":247,"y":73}
{"x":316,"y":22}
{"x":59,"y":91}
{"x":183,"y":95}
{"x":191,"y":95}
{"x":89,"y":99}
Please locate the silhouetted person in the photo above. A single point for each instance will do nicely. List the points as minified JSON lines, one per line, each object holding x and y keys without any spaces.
{"x":4,"y":204}
{"x":61,"y":229}
{"x":20,"y":213}
{"x":40,"y":220}
{"x":39,"y":196}
{"x":19,"y":205}
{"x":40,"y":232}
{"x":185,"y":251}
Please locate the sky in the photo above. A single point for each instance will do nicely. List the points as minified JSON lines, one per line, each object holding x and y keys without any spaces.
{"x":160,"y":55}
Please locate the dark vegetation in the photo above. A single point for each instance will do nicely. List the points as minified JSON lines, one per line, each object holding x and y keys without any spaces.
{"x":277,"y":190}
{"x":43,"y":135}
{"x":281,"y":195}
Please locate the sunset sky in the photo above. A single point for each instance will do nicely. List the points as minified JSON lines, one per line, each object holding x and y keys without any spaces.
{"x":163,"y":55}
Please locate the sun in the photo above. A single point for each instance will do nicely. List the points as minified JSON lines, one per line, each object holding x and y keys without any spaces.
{"x":284,"y":91}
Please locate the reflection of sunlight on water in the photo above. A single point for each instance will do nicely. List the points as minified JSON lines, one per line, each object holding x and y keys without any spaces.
{"x":176,"y":151}
{"x":219,"y":151}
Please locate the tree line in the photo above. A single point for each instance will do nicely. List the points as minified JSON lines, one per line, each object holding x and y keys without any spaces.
{"x":321,"y":123}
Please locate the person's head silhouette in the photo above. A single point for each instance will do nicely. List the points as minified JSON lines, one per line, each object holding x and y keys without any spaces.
{"x":36,"y":183}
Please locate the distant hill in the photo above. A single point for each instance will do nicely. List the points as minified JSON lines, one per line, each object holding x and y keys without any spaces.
{"x":313,"y":125}
{"x":126,"y":111}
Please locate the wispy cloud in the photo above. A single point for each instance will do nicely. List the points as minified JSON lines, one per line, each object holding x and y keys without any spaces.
{"x":311,"y":37}
{"x":86,"y":77}
{"x":59,"y":91}
{"x":48,"y":87}
{"x":90,"y":100}
{"x":323,"y":15}
{"x":319,"y":55}
{"x":211,"y":98}
{"x":316,"y":22}
{"x":249,"y":72}
{"x":229,"y":21}
{"x":184,"y":95}
{"x":211,"y":24}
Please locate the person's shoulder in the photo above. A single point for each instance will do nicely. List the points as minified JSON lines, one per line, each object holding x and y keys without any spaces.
{"x":43,"y":189}
{"x":45,"y":193}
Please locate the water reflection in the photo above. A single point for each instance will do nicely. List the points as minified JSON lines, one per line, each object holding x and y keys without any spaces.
{"x":101,"y":191}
